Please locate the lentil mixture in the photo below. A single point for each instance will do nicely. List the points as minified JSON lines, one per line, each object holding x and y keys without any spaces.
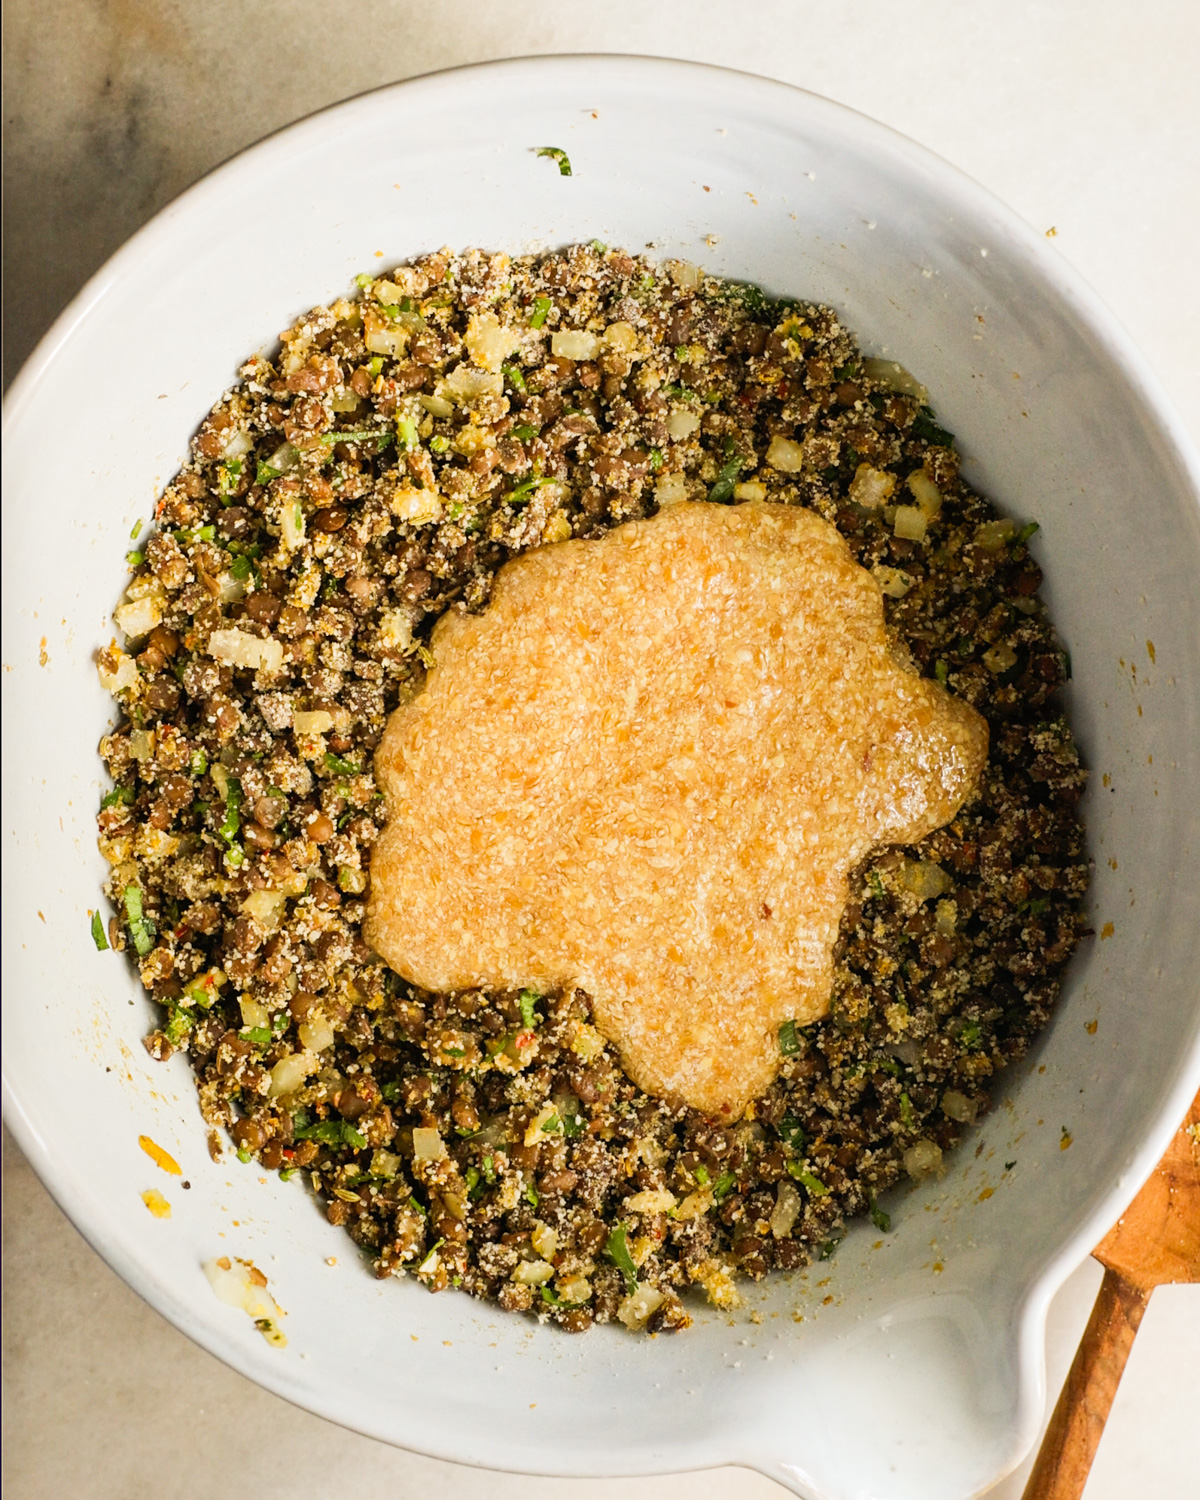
{"x":402,"y":445}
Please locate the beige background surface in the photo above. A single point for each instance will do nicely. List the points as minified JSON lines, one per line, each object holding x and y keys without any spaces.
{"x":1080,"y":113}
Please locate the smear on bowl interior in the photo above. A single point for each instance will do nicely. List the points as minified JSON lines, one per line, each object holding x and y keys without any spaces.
{"x":589,"y":791}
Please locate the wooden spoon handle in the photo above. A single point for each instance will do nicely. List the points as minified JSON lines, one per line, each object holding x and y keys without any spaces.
{"x":1073,"y":1435}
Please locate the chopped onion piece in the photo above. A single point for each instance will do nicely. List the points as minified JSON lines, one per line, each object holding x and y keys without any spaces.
{"x":428,"y":1144}
{"x":575,"y":343}
{"x":289,"y":1073}
{"x":489,"y":342}
{"x":956,"y":1106}
{"x":671,"y":489}
{"x":922,"y":1159}
{"x":925,"y":493}
{"x":636,"y":1310}
{"x":787,"y":1209}
{"x":533,"y":1272}
{"x":238,"y":649}
{"x":316,"y":1034}
{"x":785,"y":455}
{"x":653,"y":1201}
{"x":871,"y":487}
{"x":910,"y":523}
{"x":682,"y":423}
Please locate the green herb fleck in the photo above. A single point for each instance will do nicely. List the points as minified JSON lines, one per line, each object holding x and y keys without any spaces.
{"x":363,"y":280}
{"x":524,"y":432}
{"x":551,"y":1125}
{"x":340,"y":764}
{"x":941,"y":670}
{"x":527,"y":1000}
{"x":120,"y":796}
{"x":791,"y":1133}
{"x":724,"y":1185}
{"x":722,"y":490}
{"x":406,"y":432}
{"x":789,"y":1039}
{"x":656,"y":459}
{"x":881,"y":1219}
{"x":141,"y":928}
{"x":98,"y":937}
{"x":179,"y":1026}
{"x":438,"y":443}
{"x":523,"y":493}
{"x":971,"y":1034}
{"x":806,"y":1180}
{"x":541,"y":309}
{"x":240,"y":569}
{"x":332,"y":1133}
{"x":1026,"y":531}
{"x":232,"y":820}
{"x":515,"y":378}
{"x":375,"y":367}
{"x":828,"y":1248}
{"x":261,"y":1036}
{"x":531,"y":1195}
{"x":264,"y":473}
{"x":875,"y":881}
{"x":366,"y":435}
{"x":198,"y":763}
{"x":617,"y":1249}
{"x":906,"y":1110}
{"x":924,"y":427}
{"x":701,"y":1175}
{"x":557,"y":154}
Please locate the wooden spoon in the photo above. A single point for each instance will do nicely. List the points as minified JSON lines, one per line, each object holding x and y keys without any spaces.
{"x":1155,"y":1242}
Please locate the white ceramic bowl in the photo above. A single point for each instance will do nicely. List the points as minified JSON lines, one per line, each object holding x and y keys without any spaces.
{"x":913,"y":1381}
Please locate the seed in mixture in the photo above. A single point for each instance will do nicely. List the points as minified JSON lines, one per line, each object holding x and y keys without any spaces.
{"x":681,"y":738}
{"x":372,"y":477}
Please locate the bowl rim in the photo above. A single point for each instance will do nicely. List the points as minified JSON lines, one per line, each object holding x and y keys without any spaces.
{"x":1069,"y":287}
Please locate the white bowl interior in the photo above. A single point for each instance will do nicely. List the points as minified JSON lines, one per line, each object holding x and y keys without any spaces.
{"x":877,"y":1372}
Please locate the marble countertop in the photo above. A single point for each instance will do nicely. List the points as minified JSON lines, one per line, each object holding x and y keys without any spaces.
{"x":1081,"y":114}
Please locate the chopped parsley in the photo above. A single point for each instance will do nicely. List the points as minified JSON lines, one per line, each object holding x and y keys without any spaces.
{"x":557,"y":154}
{"x":141,"y":928}
{"x":879,"y":1217}
{"x":340,"y":764}
{"x":232,"y":820}
{"x":523,"y":493}
{"x":724,"y":1185}
{"x":617,"y":1249}
{"x":722,"y":489}
{"x":332,"y":1133}
{"x":527,"y":1000}
{"x":924,"y":427}
{"x":806,"y":1179}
